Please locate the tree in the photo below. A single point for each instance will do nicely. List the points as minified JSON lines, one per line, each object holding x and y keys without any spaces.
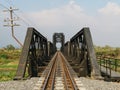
{"x":117,"y":52}
{"x":10,"y":47}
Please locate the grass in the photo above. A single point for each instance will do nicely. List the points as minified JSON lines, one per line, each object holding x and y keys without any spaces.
{"x":8,"y":70}
{"x":8,"y":64}
{"x":7,"y":75}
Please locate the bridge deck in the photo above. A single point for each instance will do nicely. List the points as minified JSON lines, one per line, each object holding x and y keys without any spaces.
{"x":59,"y":75}
{"x":112,"y":74}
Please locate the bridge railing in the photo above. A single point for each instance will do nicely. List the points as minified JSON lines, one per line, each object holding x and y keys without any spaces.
{"x":81,"y":50}
{"x":109,"y":63}
{"x":34,"y":53}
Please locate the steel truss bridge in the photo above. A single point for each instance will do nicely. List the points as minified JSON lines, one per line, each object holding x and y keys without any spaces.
{"x":76,"y":58}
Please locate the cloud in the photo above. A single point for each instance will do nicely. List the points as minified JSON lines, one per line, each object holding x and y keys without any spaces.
{"x":110,"y":8}
{"x":109,"y":17}
{"x":58,"y":16}
{"x":108,"y":24}
{"x":72,"y":2}
{"x":70,"y":18}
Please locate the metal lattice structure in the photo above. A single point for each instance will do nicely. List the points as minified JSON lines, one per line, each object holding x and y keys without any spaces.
{"x":81,"y":50}
{"x":37,"y":50}
{"x":34,"y":53}
{"x":59,"y":37}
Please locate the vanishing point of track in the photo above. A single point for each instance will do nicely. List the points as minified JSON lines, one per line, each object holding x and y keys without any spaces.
{"x":58,"y":75}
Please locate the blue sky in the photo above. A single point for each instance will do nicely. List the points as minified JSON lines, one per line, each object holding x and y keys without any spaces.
{"x":67,"y":16}
{"x":36,"y":5}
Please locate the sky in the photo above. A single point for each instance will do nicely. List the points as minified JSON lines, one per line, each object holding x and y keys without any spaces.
{"x":67,"y":16}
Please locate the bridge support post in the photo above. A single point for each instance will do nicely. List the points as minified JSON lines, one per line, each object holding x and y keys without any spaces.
{"x":95,"y":73}
{"x":33,"y":54}
{"x":83,"y":52}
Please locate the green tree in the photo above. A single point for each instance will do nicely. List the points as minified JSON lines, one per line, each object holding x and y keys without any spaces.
{"x":10,"y":47}
{"x":117,"y":51}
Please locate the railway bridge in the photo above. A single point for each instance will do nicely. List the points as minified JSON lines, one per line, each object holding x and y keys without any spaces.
{"x":61,"y":69}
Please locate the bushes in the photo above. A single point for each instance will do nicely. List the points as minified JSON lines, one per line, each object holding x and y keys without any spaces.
{"x":4,"y":56}
{"x":107,"y":51}
{"x":10,"y":54}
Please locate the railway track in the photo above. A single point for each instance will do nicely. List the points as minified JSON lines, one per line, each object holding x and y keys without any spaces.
{"x":58,"y":75}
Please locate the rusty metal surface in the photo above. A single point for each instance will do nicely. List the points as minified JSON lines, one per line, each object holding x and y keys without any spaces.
{"x":67,"y":48}
{"x":37,"y":49}
{"x":82,"y":55}
{"x":50,"y":49}
{"x":95,"y":71}
{"x":33,"y":53}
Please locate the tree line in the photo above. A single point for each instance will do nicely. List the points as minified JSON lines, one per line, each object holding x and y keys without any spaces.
{"x":108,"y":51}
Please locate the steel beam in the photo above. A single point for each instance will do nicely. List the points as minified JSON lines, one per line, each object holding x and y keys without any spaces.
{"x":82,"y":49}
{"x":35,"y":50}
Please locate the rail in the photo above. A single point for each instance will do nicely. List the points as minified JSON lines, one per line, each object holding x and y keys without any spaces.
{"x":59,"y":74}
{"x":51,"y":74}
{"x":68,"y":74}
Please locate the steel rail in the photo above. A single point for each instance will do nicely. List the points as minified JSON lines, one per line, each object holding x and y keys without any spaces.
{"x":48,"y":75}
{"x":69,"y":74}
{"x":60,"y":65}
{"x":65,"y":79}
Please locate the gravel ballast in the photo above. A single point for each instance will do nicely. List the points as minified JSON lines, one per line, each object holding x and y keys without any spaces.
{"x":99,"y":84}
{"x":19,"y":85}
{"x":88,"y":84}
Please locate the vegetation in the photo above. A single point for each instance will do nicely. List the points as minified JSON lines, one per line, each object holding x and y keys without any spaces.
{"x":9,"y":57}
{"x":108,"y":51}
{"x":112,"y":54}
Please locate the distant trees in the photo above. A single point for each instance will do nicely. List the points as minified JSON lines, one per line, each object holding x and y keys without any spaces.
{"x":10,"y":52}
{"x":107,"y":51}
{"x":9,"y":47}
{"x":117,"y":52}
